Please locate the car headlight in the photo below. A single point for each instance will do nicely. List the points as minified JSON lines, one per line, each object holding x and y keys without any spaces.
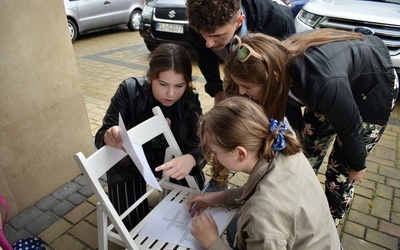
{"x":309,"y":18}
{"x":147,"y":12}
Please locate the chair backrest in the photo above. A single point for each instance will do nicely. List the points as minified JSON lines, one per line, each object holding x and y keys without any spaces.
{"x":96,"y":165}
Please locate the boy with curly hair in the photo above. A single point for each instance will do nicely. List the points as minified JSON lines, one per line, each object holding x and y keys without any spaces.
{"x":213,"y":23}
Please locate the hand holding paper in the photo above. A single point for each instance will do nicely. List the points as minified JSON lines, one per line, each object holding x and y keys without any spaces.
{"x":204,"y":229}
{"x":112,"y":138}
{"x":137,"y":155}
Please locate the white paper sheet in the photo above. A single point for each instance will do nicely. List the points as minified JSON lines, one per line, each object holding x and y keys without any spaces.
{"x":135,"y":151}
{"x":171,"y":223}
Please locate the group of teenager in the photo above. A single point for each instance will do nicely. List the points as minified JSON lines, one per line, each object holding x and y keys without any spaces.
{"x":284,"y":99}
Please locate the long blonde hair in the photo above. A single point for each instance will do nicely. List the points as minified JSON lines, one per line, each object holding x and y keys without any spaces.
{"x":278,"y":55}
{"x":238,"y":121}
{"x":301,"y":42}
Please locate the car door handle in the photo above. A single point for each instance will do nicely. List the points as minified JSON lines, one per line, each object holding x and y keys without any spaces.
{"x":106,"y":2}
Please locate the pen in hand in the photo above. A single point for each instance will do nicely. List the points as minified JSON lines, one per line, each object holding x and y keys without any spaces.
{"x":201,"y":193}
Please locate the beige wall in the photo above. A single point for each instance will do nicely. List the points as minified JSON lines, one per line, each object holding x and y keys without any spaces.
{"x":43,"y":120}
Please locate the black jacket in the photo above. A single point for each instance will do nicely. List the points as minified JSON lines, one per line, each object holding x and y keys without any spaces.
{"x":265,"y":16}
{"x":135,"y":104}
{"x":349,"y":82}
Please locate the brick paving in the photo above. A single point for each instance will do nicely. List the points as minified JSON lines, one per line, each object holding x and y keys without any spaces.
{"x":66,"y":219}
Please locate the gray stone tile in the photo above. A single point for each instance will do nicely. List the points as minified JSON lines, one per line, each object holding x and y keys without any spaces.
{"x":394,"y":121}
{"x":86,"y":191}
{"x":8,"y":230}
{"x":63,"y":208}
{"x":76,"y":198}
{"x":382,"y":239}
{"x":390,"y":172}
{"x":25,"y":218}
{"x":381,"y":208}
{"x":47,"y":203}
{"x":41,"y":223}
{"x":354,"y":243}
{"x":63,"y":192}
{"x":21,"y":234}
{"x":81,"y":180}
{"x":103,"y":183}
{"x":104,"y":177}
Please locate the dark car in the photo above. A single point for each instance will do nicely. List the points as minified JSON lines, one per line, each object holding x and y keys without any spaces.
{"x":296,"y":5}
{"x":164,"y":21}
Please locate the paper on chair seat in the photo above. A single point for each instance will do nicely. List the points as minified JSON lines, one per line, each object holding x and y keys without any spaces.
{"x":171,"y":222}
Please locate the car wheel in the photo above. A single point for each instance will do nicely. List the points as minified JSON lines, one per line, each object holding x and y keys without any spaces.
{"x":134,"y":20}
{"x":151,"y":47}
{"x":73,"y":31}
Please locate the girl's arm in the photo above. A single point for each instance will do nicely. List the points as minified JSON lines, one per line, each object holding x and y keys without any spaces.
{"x":208,"y":199}
{"x":337,"y":103}
{"x":179,"y":167}
{"x":119,"y":104}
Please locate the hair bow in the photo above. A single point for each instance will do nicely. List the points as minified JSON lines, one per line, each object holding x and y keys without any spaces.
{"x":280,"y":142}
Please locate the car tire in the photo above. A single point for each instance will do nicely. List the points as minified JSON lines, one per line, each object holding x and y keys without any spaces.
{"x":150,"y":46}
{"x":73,"y":31}
{"x":134,"y":20}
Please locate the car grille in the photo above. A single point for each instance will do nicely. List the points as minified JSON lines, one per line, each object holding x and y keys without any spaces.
{"x":162,"y":15}
{"x":390,"y":35}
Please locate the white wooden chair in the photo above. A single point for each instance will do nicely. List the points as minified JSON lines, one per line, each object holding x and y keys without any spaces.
{"x":106,"y":157}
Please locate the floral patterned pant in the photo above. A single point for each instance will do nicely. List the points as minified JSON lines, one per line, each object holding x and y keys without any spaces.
{"x":318,"y":136}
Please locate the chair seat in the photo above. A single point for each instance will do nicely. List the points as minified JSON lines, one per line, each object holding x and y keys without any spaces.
{"x":177,"y":194}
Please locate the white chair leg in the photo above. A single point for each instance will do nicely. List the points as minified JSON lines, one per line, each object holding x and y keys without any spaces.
{"x":102,"y":227}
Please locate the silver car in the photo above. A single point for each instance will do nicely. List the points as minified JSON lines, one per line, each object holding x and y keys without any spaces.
{"x":381,"y":18}
{"x":86,"y":16}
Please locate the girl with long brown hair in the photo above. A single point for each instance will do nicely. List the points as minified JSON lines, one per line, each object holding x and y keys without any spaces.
{"x":346,"y":82}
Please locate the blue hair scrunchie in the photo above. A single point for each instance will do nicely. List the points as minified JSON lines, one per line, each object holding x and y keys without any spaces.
{"x":280,"y":142}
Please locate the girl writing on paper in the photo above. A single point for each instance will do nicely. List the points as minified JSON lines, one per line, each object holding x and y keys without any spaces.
{"x":278,"y":211}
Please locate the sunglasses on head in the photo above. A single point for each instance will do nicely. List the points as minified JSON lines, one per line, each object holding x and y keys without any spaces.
{"x":244,"y":51}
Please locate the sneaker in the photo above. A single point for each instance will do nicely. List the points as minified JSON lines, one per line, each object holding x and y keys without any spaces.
{"x":215,"y":187}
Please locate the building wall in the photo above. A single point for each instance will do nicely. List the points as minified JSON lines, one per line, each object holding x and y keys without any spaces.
{"x":43,"y":119}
